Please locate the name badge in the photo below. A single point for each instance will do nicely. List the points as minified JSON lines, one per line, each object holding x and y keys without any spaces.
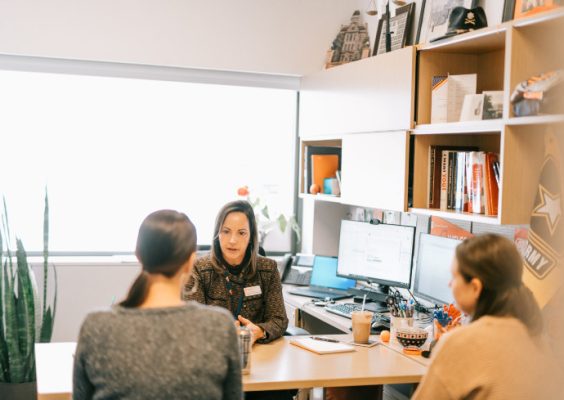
{"x":252,"y":290}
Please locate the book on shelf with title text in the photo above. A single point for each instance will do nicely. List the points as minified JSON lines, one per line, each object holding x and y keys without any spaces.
{"x":435,"y":162}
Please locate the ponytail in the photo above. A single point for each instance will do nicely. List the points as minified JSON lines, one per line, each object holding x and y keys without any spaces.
{"x":138,"y":292}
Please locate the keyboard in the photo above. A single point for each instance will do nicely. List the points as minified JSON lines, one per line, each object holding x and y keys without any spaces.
{"x":346,"y":309}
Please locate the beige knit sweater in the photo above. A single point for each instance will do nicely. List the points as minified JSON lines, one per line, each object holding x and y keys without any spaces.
{"x":491,"y":358}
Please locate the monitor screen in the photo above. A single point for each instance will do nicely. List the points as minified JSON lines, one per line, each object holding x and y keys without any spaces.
{"x":324,"y":273}
{"x":433,"y":275}
{"x":379,"y":253}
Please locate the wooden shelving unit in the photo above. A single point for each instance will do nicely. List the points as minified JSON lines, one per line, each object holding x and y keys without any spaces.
{"x":350,"y":108}
{"x":501,"y":57}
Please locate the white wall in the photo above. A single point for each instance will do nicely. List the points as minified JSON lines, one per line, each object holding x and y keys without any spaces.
{"x":85,"y":288}
{"x":276,"y":36}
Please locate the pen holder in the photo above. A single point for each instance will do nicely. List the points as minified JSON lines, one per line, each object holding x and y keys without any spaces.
{"x":397,"y":323}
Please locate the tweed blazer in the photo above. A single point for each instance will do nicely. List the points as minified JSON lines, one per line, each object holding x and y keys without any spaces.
{"x":265,"y":309}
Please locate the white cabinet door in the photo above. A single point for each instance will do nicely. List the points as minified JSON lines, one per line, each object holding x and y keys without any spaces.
{"x":375,"y":169}
{"x":373,"y":94}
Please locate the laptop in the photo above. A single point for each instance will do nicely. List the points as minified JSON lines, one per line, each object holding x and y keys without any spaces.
{"x":324,"y":283}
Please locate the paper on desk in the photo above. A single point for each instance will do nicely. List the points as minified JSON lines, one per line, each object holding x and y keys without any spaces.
{"x":321,"y":347}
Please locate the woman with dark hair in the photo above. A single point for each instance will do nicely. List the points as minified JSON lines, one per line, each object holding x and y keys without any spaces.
{"x":234,"y":276}
{"x":500,"y":354}
{"x":153,"y":345}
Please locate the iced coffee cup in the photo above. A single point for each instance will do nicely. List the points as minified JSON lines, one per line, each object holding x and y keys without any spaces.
{"x":361,"y":321}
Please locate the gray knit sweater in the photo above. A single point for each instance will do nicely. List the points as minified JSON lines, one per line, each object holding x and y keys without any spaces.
{"x":188,"y":352}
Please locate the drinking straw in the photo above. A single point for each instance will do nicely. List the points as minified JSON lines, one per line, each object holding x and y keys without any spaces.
{"x":363,"y":302}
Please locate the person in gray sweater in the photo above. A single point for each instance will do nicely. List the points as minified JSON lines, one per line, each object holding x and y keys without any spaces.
{"x":153,"y":345}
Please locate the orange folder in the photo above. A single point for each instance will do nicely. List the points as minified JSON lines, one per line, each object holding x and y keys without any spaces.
{"x":323,"y":166}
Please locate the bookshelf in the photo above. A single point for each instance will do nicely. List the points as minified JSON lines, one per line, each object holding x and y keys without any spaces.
{"x":378,"y":110}
{"x":501,"y":56}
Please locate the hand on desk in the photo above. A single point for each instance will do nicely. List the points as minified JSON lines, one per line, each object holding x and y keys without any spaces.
{"x":256,"y":330}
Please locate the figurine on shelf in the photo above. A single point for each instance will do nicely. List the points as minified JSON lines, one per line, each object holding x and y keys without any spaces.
{"x":351,"y":44}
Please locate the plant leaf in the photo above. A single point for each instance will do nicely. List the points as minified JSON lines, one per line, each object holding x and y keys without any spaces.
{"x":264,"y":212}
{"x":295,"y":227}
{"x":25,"y":309}
{"x":282,"y":223}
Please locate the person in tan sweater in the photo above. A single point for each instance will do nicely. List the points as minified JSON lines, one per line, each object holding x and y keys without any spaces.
{"x":501,"y":353}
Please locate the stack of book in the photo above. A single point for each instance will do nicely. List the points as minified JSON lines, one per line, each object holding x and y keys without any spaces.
{"x":463,"y":179}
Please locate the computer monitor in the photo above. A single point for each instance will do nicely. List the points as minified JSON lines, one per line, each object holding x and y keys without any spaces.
{"x":324,"y":274}
{"x":433,"y":275}
{"x":377,"y":253}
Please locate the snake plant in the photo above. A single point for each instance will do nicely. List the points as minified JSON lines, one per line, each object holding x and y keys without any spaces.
{"x":23,"y":319}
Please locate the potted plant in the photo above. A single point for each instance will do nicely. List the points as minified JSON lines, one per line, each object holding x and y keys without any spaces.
{"x":24,"y":319}
{"x":266,"y":221}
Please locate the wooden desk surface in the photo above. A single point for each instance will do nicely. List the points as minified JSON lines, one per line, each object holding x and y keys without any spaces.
{"x":281,"y":365}
{"x":277,"y":365}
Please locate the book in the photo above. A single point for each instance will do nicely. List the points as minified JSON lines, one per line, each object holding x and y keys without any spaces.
{"x":434,"y":181}
{"x":459,"y":186}
{"x":324,"y":166}
{"x":447,"y":96}
{"x":321,"y":346}
{"x":442,"y":227}
{"x":310,"y":151}
{"x":490,"y":184}
{"x":444,"y":180}
{"x":475,"y":182}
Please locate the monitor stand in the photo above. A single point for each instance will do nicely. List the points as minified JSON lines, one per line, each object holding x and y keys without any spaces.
{"x":377,"y":296}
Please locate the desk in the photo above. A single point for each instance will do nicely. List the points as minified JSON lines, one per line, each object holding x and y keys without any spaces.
{"x":331,"y":323}
{"x":277,"y":365}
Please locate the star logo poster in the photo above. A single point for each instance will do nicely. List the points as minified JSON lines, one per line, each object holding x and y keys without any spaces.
{"x":543,"y":252}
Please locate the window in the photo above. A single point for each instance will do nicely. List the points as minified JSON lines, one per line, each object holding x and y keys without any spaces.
{"x":111,"y":150}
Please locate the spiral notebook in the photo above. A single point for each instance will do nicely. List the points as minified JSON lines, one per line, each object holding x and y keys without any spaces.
{"x":321,"y":347}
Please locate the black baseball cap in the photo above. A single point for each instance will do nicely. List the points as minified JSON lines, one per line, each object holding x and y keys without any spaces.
{"x":462,"y":20}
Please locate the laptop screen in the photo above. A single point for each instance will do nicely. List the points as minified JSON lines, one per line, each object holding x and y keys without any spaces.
{"x":324,"y":274}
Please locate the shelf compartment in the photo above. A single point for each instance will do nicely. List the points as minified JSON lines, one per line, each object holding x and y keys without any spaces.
{"x":524,"y":152}
{"x":488,"y":141}
{"x":536,"y":48}
{"x":485,"y":60}
{"x":303,"y":162}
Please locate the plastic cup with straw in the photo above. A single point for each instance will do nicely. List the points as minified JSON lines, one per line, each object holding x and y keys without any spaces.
{"x":361,"y":324}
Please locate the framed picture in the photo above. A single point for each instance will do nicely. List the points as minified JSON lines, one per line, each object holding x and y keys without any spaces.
{"x":508,"y":10}
{"x":400,"y":25}
{"x":525,"y":8}
{"x":433,"y":18}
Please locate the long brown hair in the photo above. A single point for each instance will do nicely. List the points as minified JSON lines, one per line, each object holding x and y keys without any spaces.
{"x":495,"y":261}
{"x":244,"y":207}
{"x":166,"y":240}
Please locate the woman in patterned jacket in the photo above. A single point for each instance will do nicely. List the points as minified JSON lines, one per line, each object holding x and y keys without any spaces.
{"x":235,"y":277}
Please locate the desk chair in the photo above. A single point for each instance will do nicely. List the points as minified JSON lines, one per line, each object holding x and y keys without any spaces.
{"x":291,"y":330}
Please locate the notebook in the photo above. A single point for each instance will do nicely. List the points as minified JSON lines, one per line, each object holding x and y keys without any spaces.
{"x":324,"y":283}
{"x":320,"y":346}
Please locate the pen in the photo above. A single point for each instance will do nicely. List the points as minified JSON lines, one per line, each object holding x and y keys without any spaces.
{"x":324,"y":339}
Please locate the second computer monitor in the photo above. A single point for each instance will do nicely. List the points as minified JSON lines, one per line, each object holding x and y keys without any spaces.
{"x":434,"y":259}
{"x":378,"y":253}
